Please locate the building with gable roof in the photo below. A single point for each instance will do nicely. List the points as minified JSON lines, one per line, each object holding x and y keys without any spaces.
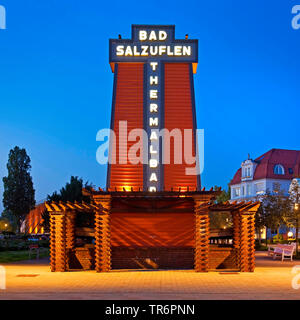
{"x":271,"y":171}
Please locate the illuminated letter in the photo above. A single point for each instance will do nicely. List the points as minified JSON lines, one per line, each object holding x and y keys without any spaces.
{"x":153,"y":177}
{"x":128,"y":51}
{"x":177,"y":50}
{"x":162,"y":49}
{"x":153,"y":80}
{"x":152,"y":36}
{"x":153,"y":135}
{"x":169,"y":52}
{"x":153,"y":50}
{"x":143,"y":35}
{"x":153,"y":107}
{"x":144,"y":51}
{"x":187,"y":50}
{"x":120,"y":50}
{"x":153,"y":163}
{"x":152,"y":189}
{"x":152,"y":151}
{"x":153,"y":94}
{"x":162,"y":35}
{"x":153,"y":122}
{"x":153,"y":65}
{"x":135,"y":52}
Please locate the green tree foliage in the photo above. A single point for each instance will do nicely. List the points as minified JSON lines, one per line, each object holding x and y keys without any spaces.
{"x":275,"y":208}
{"x":72,"y":192}
{"x":221,"y":220}
{"x":293,"y":216}
{"x":224,"y":196}
{"x":18,"y":196}
{"x":11,"y":219}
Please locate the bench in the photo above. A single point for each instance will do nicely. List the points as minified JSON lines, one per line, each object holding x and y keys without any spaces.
{"x":34,"y":247}
{"x":285,"y":251}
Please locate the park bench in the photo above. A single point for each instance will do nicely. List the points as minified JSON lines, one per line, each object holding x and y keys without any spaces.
{"x":34,"y":247}
{"x":285,"y":251}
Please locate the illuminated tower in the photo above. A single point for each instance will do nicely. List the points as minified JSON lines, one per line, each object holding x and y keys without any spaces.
{"x":154,"y":91}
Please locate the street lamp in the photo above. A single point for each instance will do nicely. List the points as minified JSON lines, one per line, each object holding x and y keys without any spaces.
{"x":290,"y":234}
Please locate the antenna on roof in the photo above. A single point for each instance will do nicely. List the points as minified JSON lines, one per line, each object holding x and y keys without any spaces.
{"x":248,"y":156}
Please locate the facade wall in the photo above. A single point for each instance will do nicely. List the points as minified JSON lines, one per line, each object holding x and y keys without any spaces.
{"x":128,"y":106}
{"x":257,"y":187}
{"x":152,"y":230}
{"x":179,"y":114}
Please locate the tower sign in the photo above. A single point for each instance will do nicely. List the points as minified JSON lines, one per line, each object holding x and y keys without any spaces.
{"x":152,"y":47}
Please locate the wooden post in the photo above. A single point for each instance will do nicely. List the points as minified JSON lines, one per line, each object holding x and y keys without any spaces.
{"x":70,"y":235}
{"x":244,"y":243}
{"x":60,"y":241}
{"x":251,"y":242}
{"x":52,"y":242}
{"x":201,"y":237}
{"x":70,"y":229}
{"x":237,"y":237}
{"x":102,"y":235}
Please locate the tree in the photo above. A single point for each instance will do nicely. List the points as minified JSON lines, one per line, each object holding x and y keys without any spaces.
{"x":224,"y":196}
{"x":275,"y":207}
{"x":72,"y":192}
{"x":8,"y":216}
{"x":259,"y":222}
{"x":221,"y":220}
{"x":293,"y":216}
{"x":18,"y":196}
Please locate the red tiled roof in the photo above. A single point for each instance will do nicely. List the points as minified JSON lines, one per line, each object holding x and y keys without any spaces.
{"x":266,"y":162}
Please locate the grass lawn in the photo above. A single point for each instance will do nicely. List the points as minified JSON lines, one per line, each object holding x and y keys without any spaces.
{"x":12,"y":256}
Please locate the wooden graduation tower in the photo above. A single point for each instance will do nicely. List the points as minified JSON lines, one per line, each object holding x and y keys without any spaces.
{"x":153,"y":214}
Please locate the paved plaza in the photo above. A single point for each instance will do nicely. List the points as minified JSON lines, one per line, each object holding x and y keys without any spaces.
{"x":33,"y":280}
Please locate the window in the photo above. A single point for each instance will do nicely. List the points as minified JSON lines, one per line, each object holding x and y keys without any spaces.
{"x":236,"y":192}
{"x":278,"y":169}
{"x":291,"y":171}
{"x":247,"y":172}
{"x":259,"y":188}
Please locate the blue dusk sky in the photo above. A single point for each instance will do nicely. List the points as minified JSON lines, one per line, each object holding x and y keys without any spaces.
{"x":56,"y":83}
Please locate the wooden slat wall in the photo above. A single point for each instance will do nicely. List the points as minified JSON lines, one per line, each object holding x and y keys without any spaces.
{"x":128,"y":106}
{"x":178,"y":114}
{"x":152,"y":230}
